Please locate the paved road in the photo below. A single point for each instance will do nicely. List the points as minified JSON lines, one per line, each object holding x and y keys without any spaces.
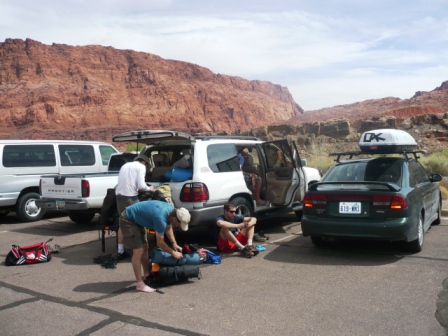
{"x":292,"y":288}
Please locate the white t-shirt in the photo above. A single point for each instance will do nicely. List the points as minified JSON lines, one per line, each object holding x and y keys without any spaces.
{"x":131,"y":179}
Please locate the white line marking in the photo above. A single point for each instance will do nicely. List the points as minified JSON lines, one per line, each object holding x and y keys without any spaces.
{"x":275,"y":241}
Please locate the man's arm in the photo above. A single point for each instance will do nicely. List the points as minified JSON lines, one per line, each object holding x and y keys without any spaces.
{"x":170,"y":234}
{"x":161,"y":243}
{"x":249,"y":221}
{"x":227,"y":225}
{"x":141,"y":184}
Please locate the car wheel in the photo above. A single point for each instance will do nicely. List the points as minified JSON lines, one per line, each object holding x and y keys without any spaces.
{"x":439,"y":215}
{"x":319,"y":242}
{"x":26,"y":208}
{"x":417,"y":244}
{"x":81,"y":218}
{"x":243,"y":207}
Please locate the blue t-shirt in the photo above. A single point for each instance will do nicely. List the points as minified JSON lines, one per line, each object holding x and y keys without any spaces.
{"x":150,"y":214}
{"x":237,"y":219}
{"x":241,"y":159}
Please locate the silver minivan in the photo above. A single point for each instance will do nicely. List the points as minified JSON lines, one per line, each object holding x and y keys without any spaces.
{"x":22,"y":162}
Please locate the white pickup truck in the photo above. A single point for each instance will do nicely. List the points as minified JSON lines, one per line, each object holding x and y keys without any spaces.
{"x":81,"y":195}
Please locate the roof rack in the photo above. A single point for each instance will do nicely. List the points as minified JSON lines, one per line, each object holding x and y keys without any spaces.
{"x":405,"y":153}
{"x":234,"y":137}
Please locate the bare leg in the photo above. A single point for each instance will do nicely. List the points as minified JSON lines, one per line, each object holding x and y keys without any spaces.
{"x":137,"y":257}
{"x":120,"y":236}
{"x":249,"y":232}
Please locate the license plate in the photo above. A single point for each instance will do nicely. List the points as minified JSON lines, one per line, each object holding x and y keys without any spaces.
{"x":350,"y":207}
{"x":60,"y":204}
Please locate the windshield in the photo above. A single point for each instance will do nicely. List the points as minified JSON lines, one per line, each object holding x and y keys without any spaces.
{"x":377,"y":170}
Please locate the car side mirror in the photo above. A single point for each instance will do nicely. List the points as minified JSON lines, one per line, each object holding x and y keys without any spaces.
{"x":436,"y":178}
{"x":303,"y":162}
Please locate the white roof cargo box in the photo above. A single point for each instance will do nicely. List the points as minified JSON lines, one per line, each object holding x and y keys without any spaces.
{"x":386,"y":141}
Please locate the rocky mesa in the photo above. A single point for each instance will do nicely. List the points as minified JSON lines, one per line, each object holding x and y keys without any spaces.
{"x":92,"y":92}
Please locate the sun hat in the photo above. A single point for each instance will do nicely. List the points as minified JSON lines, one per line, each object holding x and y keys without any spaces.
{"x":184,"y":217}
{"x":144,"y":158}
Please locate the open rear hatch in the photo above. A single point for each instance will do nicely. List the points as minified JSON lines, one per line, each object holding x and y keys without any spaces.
{"x":153,"y":137}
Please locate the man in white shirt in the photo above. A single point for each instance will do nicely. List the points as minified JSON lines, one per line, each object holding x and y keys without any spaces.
{"x":131,"y":180}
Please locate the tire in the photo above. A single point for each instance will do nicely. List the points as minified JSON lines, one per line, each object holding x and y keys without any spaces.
{"x":243,"y":206}
{"x":81,"y":218}
{"x":417,"y":244}
{"x":319,"y":242}
{"x":26,"y":208}
{"x":439,"y":215}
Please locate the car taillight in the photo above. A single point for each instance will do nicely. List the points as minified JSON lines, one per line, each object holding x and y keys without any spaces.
{"x":319,"y":201}
{"x":398,"y":203}
{"x":389,"y":202}
{"x":40,"y":187}
{"x":194,"y":192}
{"x":85,"y":188}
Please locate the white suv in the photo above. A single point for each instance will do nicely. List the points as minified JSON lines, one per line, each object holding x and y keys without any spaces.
{"x":204,"y":172}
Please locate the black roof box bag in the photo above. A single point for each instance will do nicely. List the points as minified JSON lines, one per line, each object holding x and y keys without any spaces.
{"x":387,"y":141}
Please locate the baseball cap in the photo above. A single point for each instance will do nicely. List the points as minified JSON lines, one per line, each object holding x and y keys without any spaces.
{"x":184,"y":216}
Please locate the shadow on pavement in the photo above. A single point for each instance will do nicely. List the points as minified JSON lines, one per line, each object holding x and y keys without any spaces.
{"x":55,"y":228}
{"x":13,"y":219}
{"x":301,"y":250}
{"x":106,"y":287}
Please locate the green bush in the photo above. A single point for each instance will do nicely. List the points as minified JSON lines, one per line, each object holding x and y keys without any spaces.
{"x":444,"y":189}
{"x":132,"y":147}
{"x":322,"y":163}
{"x":436,"y":163}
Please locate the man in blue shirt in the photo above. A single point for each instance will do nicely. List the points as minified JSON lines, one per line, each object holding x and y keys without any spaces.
{"x":159,"y":216}
{"x":235,"y":232}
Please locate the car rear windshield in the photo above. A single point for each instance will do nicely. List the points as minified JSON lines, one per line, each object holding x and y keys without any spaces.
{"x":376,"y":170}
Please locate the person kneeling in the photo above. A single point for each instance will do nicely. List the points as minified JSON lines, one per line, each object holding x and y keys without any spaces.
{"x":235,"y":232}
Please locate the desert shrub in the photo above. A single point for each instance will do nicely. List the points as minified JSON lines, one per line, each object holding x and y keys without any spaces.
{"x":436,"y":163}
{"x":133,"y":147}
{"x":321,"y":162}
{"x":444,"y":189}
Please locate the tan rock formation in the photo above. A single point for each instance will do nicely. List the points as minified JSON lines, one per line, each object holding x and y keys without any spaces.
{"x":61,"y":91}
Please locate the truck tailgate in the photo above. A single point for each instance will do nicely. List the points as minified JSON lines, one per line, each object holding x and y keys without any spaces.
{"x":63,"y":187}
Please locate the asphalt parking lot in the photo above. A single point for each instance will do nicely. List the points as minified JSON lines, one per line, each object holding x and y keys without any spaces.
{"x":292,"y":288}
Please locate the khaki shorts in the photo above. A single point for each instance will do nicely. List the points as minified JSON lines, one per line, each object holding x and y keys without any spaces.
{"x":124,"y":201}
{"x":134,"y":235}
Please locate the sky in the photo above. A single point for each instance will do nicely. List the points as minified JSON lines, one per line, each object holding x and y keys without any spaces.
{"x":326,"y":52}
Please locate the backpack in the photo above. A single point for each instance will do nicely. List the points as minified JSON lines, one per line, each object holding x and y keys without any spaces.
{"x":108,"y":216}
{"x":163,"y":258}
{"x":109,"y":213}
{"x":30,"y":254}
{"x":170,"y":275}
{"x":163,"y":193}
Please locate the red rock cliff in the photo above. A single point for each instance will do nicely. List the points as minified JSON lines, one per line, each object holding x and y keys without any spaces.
{"x":62,"y":91}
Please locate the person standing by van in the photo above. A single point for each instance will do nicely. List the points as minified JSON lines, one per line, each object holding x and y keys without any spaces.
{"x":131,"y":180}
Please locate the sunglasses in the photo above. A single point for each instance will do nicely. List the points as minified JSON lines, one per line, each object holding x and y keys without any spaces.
{"x":232,"y":211}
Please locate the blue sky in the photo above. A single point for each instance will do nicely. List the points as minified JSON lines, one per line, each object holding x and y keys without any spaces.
{"x":327,"y":53}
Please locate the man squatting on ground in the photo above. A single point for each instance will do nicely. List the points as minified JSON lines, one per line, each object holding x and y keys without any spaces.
{"x":159,"y":216}
{"x":131,"y":180}
{"x":235,"y":232}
